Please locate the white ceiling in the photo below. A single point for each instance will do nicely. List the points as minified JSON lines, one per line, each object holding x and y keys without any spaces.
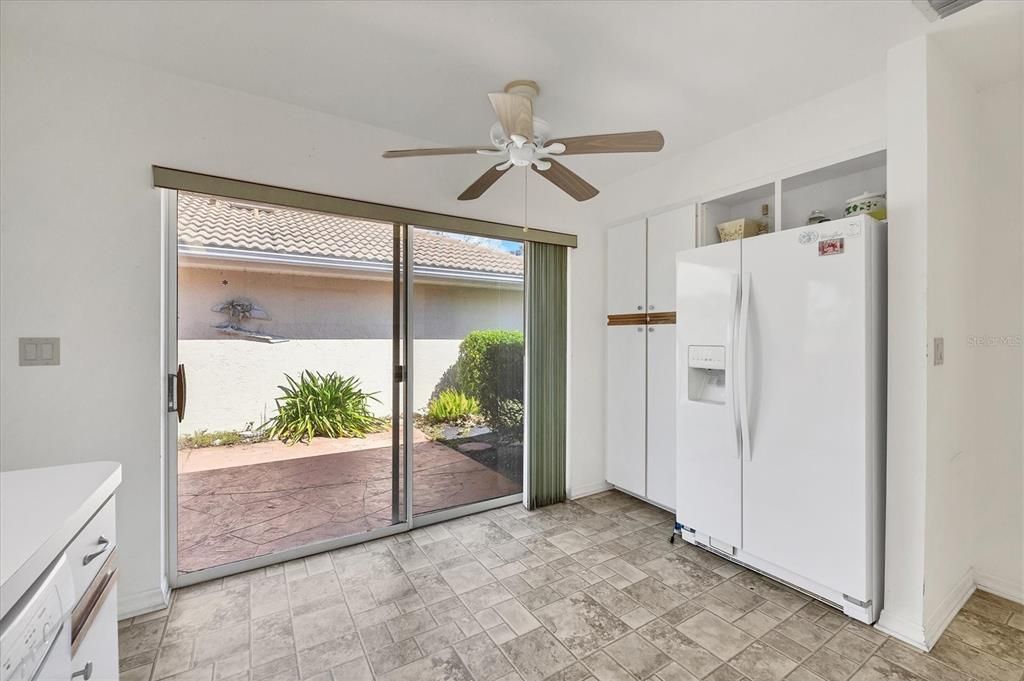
{"x":695,"y":70}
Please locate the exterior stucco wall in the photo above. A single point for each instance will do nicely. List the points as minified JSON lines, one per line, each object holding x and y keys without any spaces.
{"x":331,"y":323}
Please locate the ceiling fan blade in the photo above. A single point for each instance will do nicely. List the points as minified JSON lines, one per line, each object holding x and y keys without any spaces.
{"x":568,"y":181}
{"x":613,"y":143}
{"x":515,"y":113}
{"x":482,"y":184}
{"x":443,"y":151}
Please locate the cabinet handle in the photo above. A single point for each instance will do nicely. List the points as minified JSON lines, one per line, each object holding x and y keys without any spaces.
{"x":104,"y":544}
{"x":85,"y":672}
{"x":640,"y":307}
{"x":650,"y":307}
{"x":639,"y":329}
{"x":650,"y":329}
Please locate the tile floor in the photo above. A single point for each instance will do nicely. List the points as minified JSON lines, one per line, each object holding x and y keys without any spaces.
{"x":581,"y":591}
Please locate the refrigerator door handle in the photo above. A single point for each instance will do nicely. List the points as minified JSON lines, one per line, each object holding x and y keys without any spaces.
{"x":735,"y":295}
{"x":741,"y":368}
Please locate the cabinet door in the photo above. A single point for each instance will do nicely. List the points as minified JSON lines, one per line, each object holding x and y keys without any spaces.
{"x":627,"y":268}
{"x":667,"y":234}
{"x":99,"y":645}
{"x":625,"y":462}
{"x":661,"y":414}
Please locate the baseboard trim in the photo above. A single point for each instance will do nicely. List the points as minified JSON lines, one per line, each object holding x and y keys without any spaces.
{"x":587,"y":490}
{"x":901,"y":628}
{"x":999,"y":586}
{"x":143,"y":602}
{"x":948,"y":608}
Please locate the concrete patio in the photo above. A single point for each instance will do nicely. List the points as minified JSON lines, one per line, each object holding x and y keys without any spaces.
{"x":250,"y":500}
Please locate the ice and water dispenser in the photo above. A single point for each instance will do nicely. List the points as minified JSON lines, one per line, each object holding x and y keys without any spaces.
{"x":706,"y":365}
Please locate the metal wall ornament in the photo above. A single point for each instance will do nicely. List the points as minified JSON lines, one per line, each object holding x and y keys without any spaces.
{"x":239,"y":311}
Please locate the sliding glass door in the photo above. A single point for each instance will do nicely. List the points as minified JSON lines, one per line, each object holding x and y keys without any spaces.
{"x":468,"y":352}
{"x":289,"y":328}
{"x":338,"y":380}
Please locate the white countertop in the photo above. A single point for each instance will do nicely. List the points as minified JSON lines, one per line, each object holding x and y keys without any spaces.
{"x":41,"y":511}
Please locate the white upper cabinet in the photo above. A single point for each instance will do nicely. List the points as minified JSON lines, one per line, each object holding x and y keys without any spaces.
{"x":667,"y":234}
{"x":627,"y":267}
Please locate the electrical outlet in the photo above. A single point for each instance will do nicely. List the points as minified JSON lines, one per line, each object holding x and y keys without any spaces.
{"x":938,"y":351}
{"x":37,"y":352}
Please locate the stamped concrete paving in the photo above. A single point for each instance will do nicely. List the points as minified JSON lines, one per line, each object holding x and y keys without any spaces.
{"x":228,"y":512}
{"x":573,"y":591}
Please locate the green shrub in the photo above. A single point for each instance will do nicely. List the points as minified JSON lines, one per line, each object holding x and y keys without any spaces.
{"x":320,"y":405}
{"x":490,"y":369}
{"x":507,"y":422}
{"x":452,"y":406}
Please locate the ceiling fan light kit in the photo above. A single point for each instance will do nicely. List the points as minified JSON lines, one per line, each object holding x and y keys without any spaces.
{"x":521,"y":139}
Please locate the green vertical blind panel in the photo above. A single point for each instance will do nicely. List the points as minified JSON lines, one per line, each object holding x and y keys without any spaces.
{"x":546,"y":331}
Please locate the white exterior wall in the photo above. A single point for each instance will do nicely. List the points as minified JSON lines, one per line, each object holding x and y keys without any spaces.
{"x":332,"y":323}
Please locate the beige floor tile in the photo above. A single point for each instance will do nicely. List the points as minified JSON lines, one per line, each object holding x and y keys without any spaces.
{"x":537,"y":654}
{"x":715,"y":634}
{"x":973,"y":662}
{"x":759,"y":662}
{"x":830,"y":665}
{"x":637,"y":655}
{"x":483,"y":658}
{"x":441,"y":666}
{"x":393,"y":656}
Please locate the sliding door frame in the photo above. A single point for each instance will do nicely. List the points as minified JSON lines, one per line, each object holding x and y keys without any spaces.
{"x":403,"y":352}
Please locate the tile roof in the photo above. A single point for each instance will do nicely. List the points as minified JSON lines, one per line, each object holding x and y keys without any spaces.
{"x":206,"y":221}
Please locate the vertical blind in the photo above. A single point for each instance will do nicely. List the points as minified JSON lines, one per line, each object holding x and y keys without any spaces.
{"x":546,"y":332}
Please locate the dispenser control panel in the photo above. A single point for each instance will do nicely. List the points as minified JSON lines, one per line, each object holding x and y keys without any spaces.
{"x":707,"y":357}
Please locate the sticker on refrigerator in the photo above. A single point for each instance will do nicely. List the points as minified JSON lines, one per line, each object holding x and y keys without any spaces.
{"x":808,"y":236}
{"x":830,"y":246}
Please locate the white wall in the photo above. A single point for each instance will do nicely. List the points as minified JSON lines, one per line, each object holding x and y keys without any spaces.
{"x":955,"y":463}
{"x":997,"y":325}
{"x":953,"y":198}
{"x":837,"y":125}
{"x":81,"y":252}
{"x":906,"y":422}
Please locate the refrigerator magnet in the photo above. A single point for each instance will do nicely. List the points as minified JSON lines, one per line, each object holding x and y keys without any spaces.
{"x":830,"y":246}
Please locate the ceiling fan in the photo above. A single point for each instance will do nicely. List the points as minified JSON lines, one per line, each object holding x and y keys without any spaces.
{"x":521,"y":139}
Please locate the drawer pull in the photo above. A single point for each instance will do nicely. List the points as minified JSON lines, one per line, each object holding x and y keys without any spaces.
{"x":85,"y":672}
{"x":104,"y":544}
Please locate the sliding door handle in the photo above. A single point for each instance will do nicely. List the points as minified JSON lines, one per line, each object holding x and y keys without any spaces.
{"x":180,"y":390}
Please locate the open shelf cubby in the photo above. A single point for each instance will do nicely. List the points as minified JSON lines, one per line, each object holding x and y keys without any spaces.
{"x":827,"y":189}
{"x":742,"y":204}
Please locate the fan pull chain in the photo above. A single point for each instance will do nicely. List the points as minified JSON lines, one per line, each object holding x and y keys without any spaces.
{"x":526,"y":204}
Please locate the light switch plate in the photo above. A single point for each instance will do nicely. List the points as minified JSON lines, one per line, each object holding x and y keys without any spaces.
{"x":38,"y":352}
{"x":939,"y":351}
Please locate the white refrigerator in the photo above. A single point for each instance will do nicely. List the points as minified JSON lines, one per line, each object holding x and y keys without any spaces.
{"x":781,"y":406}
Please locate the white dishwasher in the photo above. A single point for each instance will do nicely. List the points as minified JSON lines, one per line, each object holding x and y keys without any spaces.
{"x":35,"y":642}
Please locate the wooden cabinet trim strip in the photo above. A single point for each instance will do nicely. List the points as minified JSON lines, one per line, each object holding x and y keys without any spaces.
{"x":661,"y":318}
{"x":642,"y":319}
{"x":638,"y":319}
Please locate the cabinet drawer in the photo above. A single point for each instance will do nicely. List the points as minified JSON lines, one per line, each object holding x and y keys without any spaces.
{"x":96,"y":657}
{"x":88,"y":551}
